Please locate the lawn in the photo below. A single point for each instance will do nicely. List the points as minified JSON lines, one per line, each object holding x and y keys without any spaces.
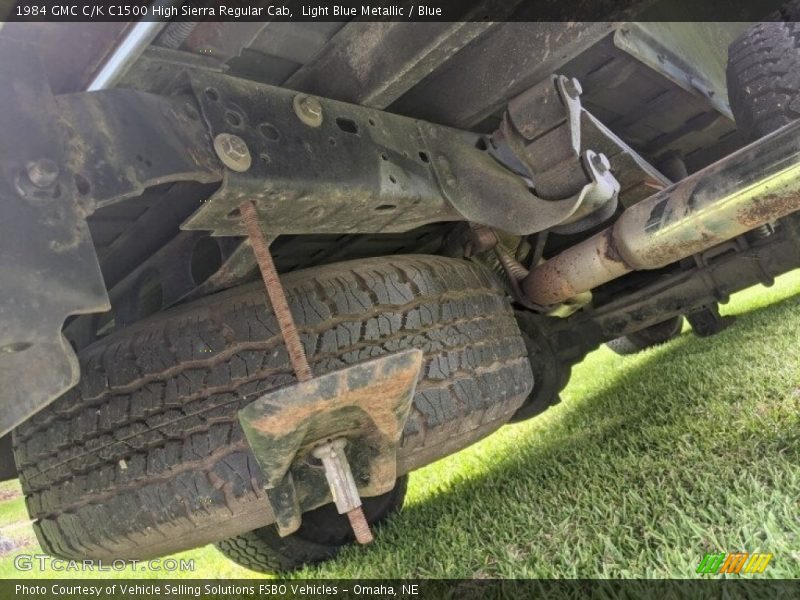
{"x":649,"y":462}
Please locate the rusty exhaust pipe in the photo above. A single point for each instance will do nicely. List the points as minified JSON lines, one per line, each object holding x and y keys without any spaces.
{"x":750,"y":188}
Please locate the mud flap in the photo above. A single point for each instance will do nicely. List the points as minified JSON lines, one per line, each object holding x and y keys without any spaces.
{"x":47,"y":260}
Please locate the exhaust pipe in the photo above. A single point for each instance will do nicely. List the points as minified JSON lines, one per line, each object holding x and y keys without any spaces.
{"x":750,"y":188}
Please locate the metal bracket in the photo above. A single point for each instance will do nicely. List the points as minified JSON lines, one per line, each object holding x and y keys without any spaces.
{"x":367,"y":404}
{"x":706,"y":320}
{"x":542,"y":126}
{"x":691,"y":55}
{"x":120,"y":142}
{"x":540,"y":137}
{"x":355,"y":170}
{"x":316,"y":165}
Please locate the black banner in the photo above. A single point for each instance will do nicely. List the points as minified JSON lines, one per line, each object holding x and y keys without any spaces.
{"x":398,"y":10}
{"x":193,"y":589}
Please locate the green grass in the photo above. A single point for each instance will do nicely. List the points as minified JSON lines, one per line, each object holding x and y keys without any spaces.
{"x":11,"y":507}
{"x":649,"y":462}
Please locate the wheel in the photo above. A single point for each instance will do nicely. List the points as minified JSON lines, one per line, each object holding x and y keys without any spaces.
{"x":764,"y":76}
{"x":321,"y":535}
{"x":648,"y":337}
{"x":146,"y":457}
{"x":549,"y":373}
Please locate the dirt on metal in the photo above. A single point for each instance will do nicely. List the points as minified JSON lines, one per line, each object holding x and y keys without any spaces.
{"x":764,"y":209}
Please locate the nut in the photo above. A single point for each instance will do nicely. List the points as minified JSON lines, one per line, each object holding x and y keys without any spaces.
{"x":233,"y":152}
{"x":308,"y":109}
{"x":42,"y":173}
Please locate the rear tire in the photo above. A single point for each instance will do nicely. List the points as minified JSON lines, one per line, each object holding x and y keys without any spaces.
{"x":764,"y":77}
{"x":321,"y":536}
{"x":146,"y":456}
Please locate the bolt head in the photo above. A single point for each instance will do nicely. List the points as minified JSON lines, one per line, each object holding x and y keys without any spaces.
{"x":308,"y":109}
{"x":233,"y":152}
{"x":43,"y":172}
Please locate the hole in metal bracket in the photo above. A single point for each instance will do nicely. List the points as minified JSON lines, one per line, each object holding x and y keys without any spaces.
{"x":269,"y":132}
{"x":15,"y":347}
{"x":347,"y":125}
{"x":233,"y":118}
{"x":83,"y":185}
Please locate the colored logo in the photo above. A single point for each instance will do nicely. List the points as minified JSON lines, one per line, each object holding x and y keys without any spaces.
{"x":734,"y":562}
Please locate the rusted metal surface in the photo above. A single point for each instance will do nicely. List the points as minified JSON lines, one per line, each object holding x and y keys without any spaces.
{"x":366,"y":404}
{"x":277,"y":297}
{"x":364,"y":170}
{"x":358,"y":522}
{"x":360,"y":171}
{"x":717,"y":274}
{"x":343,"y":487}
{"x":480,"y":239}
{"x":750,"y":188}
{"x":119,"y":142}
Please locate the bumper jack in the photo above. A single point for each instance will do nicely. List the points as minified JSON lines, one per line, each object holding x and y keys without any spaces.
{"x":293,"y":429}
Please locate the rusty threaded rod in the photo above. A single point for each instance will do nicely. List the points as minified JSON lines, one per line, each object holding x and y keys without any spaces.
{"x":277,"y":296}
{"x":283,"y":314}
{"x":358,"y":522}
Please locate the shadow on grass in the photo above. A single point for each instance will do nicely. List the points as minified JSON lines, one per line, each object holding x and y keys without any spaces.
{"x":634,"y":480}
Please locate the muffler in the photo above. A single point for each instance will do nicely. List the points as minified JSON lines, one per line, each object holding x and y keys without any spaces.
{"x":750,"y":188}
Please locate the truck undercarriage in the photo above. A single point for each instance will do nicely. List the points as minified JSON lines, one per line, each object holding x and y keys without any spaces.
{"x":505,"y":197}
